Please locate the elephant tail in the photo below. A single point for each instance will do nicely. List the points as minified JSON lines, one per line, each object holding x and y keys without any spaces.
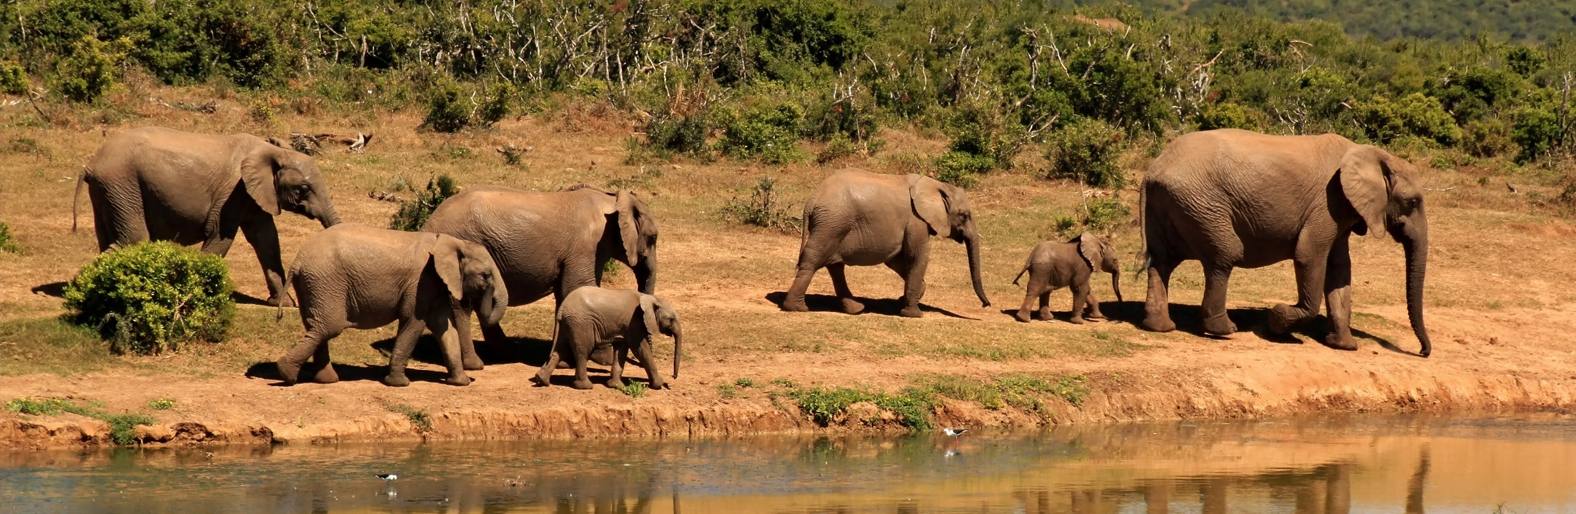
{"x":279,"y":313}
{"x":76,"y":198}
{"x":1020,"y":273}
{"x":1143,"y":226}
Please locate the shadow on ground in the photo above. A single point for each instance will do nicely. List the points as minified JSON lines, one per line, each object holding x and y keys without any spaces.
{"x":882,"y":306}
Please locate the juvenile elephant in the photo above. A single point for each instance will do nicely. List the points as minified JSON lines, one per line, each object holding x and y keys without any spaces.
{"x":167,"y":185}
{"x":355,"y":276}
{"x":552,"y":243}
{"x":592,"y":316}
{"x":863,"y":219}
{"x":1233,"y":198}
{"x":1054,"y":265}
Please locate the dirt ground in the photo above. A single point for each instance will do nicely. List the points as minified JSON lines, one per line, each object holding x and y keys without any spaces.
{"x":1498,"y":310}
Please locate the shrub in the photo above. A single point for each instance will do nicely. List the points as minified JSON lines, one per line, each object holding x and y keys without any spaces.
{"x":670,"y":135}
{"x":1229,"y":115}
{"x":447,"y":110}
{"x":497,"y":105}
{"x":149,"y":297}
{"x":1416,"y":114}
{"x":1536,"y":130}
{"x":13,"y":79}
{"x":262,"y":111}
{"x":634,"y":389}
{"x":839,"y":147}
{"x":983,"y":132}
{"x":1102,"y":214}
{"x":88,"y":72}
{"x":1487,"y":137}
{"x":164,"y":403}
{"x":7,"y":241}
{"x":762,"y":208}
{"x":418,"y":417}
{"x":1087,"y":151}
{"x":413,"y":213}
{"x":962,"y":169}
{"x":769,"y":133}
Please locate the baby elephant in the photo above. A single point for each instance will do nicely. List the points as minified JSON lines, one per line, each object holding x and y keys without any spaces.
{"x":355,"y":276}
{"x":1054,"y":265}
{"x":591,"y":316}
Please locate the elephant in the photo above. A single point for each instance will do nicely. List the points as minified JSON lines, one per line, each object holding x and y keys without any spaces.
{"x":1233,"y":198}
{"x":863,"y":219}
{"x":355,"y":276}
{"x":1053,"y":265}
{"x":167,"y":185}
{"x":553,"y":243}
{"x":627,"y":319}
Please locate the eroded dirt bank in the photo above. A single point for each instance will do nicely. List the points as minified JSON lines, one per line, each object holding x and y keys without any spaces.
{"x":1245,"y":376}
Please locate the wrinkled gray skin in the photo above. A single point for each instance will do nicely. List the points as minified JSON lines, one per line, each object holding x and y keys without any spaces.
{"x":1232,"y":198}
{"x":1054,"y":265}
{"x":863,"y":219}
{"x":553,"y":243}
{"x":167,"y":185}
{"x":590,"y":317}
{"x":355,"y":276}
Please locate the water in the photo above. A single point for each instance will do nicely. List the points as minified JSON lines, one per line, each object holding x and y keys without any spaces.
{"x":1328,"y":465}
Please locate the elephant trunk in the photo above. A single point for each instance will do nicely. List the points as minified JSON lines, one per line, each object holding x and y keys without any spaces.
{"x":973,"y":244}
{"x":678,"y":347}
{"x":1116,"y":284}
{"x":329,"y":217}
{"x":1416,"y":245}
{"x":646,"y":274}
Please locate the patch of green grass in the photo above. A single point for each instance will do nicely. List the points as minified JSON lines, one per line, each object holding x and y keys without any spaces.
{"x":417,"y":417}
{"x":912,"y":406}
{"x":7,"y":241}
{"x":744,"y":382}
{"x":51,"y":345}
{"x":633,"y":389}
{"x":727,"y":391}
{"x":1021,"y":392}
{"x":122,"y":427}
{"x":162,"y":404}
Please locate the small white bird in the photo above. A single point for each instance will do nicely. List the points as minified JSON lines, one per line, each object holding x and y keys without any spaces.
{"x":954,"y":432}
{"x":389,"y":477}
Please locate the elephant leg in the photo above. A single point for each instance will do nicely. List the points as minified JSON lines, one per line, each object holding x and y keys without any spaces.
{"x":840,"y":285}
{"x":325,"y":367}
{"x":1093,"y":309}
{"x":291,"y":363}
{"x":1027,"y":307}
{"x":404,"y":343}
{"x":1311,"y":269}
{"x":1216,"y":279}
{"x":1157,"y":306}
{"x":616,"y":368}
{"x":1080,"y":295}
{"x":582,"y":346}
{"x":1338,"y":297}
{"x":643,"y":352}
{"x":462,"y":329}
{"x":913,"y":272}
{"x":264,"y":238}
{"x":555,"y":349}
{"x":124,"y":221}
{"x":442,"y":324}
{"x":801,"y":283}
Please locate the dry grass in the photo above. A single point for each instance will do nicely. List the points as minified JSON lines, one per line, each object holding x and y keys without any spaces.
{"x":1491,"y":248}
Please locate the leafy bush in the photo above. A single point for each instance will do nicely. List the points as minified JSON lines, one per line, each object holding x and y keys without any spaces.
{"x":1087,"y":151}
{"x":414,"y":213}
{"x":633,"y":389}
{"x":13,"y":79}
{"x":1230,"y":115}
{"x":768,"y":133}
{"x":165,"y":403}
{"x":88,"y":72}
{"x":983,"y":133}
{"x":1416,"y":115}
{"x":7,"y":241}
{"x":447,"y":110}
{"x":497,"y":105}
{"x":150,"y":297}
{"x":670,"y":135}
{"x":762,"y":208}
{"x":1487,"y":137}
{"x":1101,"y":214}
{"x":839,"y":147}
{"x":962,"y":169}
{"x":1536,"y":131}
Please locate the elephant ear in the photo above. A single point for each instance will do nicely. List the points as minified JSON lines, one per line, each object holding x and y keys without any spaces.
{"x":257,"y":171}
{"x":648,"y":309}
{"x":1089,"y":248}
{"x":1364,"y":181}
{"x":446,"y":254}
{"x":929,"y":198}
{"x":628,"y":227}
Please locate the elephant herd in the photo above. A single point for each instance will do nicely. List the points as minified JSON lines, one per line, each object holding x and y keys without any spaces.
{"x":1227,"y":198}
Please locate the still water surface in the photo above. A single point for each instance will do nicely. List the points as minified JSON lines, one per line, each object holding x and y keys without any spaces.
{"x":1326,"y":465}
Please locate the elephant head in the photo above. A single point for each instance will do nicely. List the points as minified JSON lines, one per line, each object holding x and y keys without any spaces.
{"x":945,"y":208}
{"x":1385,"y":192}
{"x":1101,"y":256}
{"x":278,"y":178}
{"x":637,"y":231}
{"x":660,"y":318}
{"x":471,"y":277}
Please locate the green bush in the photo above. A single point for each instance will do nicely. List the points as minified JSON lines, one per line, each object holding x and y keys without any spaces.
{"x":1087,"y":151}
{"x":670,"y":135}
{"x":769,"y":133}
{"x":1102,"y":214}
{"x":13,"y":79}
{"x":1536,"y":131}
{"x":150,"y":297}
{"x":1487,"y":137}
{"x":413,"y":213}
{"x":7,"y":241}
{"x":1417,"y":115}
{"x":984,"y":133}
{"x":762,"y":208}
{"x":88,"y":72}
{"x":447,"y":109}
{"x":962,"y":169}
{"x":1230,"y":115}
{"x":497,"y":105}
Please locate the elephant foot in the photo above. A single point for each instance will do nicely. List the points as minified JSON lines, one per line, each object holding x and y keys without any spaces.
{"x":1159,"y":324}
{"x":1045,"y":314}
{"x":396,"y":379}
{"x":458,"y":380}
{"x":288,"y":372}
{"x":275,"y":300}
{"x":795,"y":305}
{"x":1021,"y":316}
{"x":581,"y":384}
{"x":1340,"y":342}
{"x":1282,"y":318}
{"x":327,"y":375}
{"x":1095,"y":316}
{"x":660,"y":384}
{"x":852,"y":307}
{"x":543,"y":377}
{"x":911,"y":312}
{"x":615,"y":383}
{"x":1076,"y":320}
{"x":1219,"y":326}
{"x":474,"y":365}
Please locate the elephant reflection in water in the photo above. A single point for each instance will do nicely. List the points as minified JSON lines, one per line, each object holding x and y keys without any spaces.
{"x":611,"y":501}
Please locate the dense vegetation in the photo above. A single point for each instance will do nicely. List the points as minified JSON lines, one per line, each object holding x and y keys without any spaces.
{"x":752,"y":79}
{"x":150,"y":297}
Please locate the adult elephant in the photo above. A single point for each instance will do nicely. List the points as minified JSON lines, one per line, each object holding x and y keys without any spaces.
{"x":863,"y":219}
{"x":167,"y":185}
{"x":553,"y":243}
{"x":1233,"y":198}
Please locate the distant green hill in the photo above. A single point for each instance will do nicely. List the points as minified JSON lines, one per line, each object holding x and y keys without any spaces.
{"x":1519,"y":20}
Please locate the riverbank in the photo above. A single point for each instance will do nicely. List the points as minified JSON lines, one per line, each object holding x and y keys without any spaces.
{"x":1244,"y":376}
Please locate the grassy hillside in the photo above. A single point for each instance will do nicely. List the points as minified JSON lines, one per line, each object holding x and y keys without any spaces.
{"x":1526,"y":20}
